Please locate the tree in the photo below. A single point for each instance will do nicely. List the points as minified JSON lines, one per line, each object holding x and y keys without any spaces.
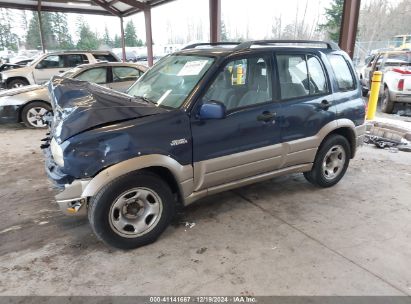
{"x":8,"y":39}
{"x":33,"y":40}
{"x":224,"y":33}
{"x":333,"y":17}
{"x":117,"y":41}
{"x":130,"y":35}
{"x":88,"y":39}
{"x":61,"y":31}
{"x":107,"y":41}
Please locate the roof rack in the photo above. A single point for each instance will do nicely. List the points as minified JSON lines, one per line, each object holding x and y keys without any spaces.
{"x":246,"y":45}
{"x":194,"y":45}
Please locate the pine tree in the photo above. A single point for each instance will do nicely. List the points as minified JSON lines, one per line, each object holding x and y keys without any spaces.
{"x":333,"y":17}
{"x":130,"y":35}
{"x":33,"y":40}
{"x":88,"y":39}
{"x":117,"y":41}
{"x":107,"y":41}
{"x":61,"y":31}
{"x":8,"y":39}
{"x":224,"y":34}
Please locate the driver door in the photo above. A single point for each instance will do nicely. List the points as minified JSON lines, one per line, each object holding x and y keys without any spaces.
{"x":246,"y":142}
{"x":49,"y":66}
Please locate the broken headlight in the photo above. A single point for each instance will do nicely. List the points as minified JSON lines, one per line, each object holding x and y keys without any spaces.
{"x":57,"y":153}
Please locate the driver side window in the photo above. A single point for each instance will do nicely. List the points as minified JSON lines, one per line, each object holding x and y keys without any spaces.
{"x":242,"y":82}
{"x":51,"y":62}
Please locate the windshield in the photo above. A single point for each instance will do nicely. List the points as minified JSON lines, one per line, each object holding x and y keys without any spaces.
{"x":171,"y":80}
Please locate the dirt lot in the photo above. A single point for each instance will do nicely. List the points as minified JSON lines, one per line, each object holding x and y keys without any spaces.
{"x":282,"y":237}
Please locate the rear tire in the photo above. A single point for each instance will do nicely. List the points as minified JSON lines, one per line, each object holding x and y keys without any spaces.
{"x":132,"y":211}
{"x":32,"y":114}
{"x":17,"y":83}
{"x":331,"y":162}
{"x":387,"y":105}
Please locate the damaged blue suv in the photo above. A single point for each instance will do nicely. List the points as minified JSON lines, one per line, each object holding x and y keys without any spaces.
{"x":208,"y":118}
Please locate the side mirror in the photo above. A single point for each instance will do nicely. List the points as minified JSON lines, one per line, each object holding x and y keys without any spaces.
{"x":212,"y":110}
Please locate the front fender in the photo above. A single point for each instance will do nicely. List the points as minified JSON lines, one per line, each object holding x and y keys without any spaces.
{"x":182,"y":174}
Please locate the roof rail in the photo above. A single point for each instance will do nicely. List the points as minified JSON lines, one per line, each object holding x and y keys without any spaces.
{"x":194,"y":45}
{"x":246,"y":45}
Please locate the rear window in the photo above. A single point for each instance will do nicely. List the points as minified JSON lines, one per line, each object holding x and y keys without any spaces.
{"x":398,"y":59}
{"x":342,"y":72}
{"x":105,"y":57}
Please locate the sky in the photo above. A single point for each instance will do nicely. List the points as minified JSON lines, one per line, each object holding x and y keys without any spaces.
{"x":251,"y":19}
{"x":173,"y":18}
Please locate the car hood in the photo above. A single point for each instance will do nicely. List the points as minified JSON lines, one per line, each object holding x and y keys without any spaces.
{"x":18,"y":71}
{"x":12,"y":92}
{"x":79,"y":106}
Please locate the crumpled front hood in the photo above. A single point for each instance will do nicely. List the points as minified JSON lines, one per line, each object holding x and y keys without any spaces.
{"x":79,"y":106}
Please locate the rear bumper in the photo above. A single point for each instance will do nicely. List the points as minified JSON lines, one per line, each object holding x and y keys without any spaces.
{"x":9,"y":114}
{"x":400,"y":97}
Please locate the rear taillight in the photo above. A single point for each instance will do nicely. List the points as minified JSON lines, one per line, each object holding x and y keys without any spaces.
{"x":400,"y":85}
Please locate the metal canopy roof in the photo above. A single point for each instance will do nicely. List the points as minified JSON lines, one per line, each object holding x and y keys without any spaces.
{"x":120,"y":8}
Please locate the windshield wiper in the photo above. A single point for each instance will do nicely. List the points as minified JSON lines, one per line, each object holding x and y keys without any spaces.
{"x":146,"y":99}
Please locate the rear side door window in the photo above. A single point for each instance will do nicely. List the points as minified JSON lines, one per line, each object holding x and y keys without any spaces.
{"x":105,"y":57}
{"x":300,"y":75}
{"x":342,"y":73}
{"x":95,"y":75}
{"x":73,"y":60}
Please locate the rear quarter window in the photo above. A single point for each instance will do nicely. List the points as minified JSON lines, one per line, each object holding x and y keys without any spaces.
{"x":343,"y":73}
{"x":105,"y":57}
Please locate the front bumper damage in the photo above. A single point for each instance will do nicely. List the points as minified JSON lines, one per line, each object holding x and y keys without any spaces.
{"x":70,"y":199}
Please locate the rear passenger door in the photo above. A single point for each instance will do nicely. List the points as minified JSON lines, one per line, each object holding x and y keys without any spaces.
{"x":307,"y":104}
{"x":246,"y":142}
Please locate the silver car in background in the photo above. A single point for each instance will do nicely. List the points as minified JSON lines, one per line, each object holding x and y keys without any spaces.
{"x":28,"y":104}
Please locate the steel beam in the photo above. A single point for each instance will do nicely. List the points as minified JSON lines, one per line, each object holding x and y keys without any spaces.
{"x":349,"y":24}
{"x":123,"y":40}
{"x":43,"y":44}
{"x":215,"y":20}
{"x":45,"y":8}
{"x":149,"y":36}
{"x":107,"y":7}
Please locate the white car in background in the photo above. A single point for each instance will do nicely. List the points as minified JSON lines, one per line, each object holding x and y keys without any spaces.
{"x":43,"y":67}
{"x":28,"y":104}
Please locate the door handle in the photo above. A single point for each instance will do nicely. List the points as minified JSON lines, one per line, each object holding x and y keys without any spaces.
{"x":266,"y":116}
{"x":61,"y":71}
{"x":325,"y":104}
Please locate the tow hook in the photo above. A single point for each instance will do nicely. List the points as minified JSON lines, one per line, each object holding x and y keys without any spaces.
{"x":75,"y":206}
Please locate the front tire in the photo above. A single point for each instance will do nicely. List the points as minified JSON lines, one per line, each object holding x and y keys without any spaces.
{"x":387,"y":105}
{"x":17,"y":83}
{"x":331,"y":162}
{"x":132,"y":211}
